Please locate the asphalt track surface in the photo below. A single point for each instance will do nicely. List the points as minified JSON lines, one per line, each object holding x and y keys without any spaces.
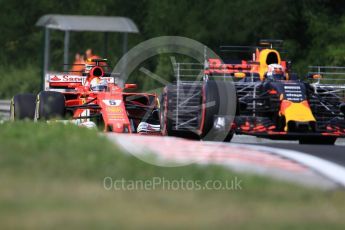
{"x":335,"y":153}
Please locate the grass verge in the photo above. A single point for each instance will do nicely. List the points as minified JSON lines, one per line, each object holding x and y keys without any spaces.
{"x":52,"y":177}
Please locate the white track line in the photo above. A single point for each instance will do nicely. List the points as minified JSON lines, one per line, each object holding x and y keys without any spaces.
{"x":313,"y":171}
{"x":326,"y":168}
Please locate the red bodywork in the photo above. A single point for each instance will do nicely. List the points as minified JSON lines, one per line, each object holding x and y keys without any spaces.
{"x":118,"y":111}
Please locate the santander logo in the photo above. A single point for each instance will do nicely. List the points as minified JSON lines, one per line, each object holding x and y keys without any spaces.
{"x":55,"y":78}
{"x":66,"y":78}
{"x":74,"y":78}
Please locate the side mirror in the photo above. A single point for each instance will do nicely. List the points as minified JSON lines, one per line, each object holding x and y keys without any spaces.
{"x":314,"y":76}
{"x":239,"y":75}
{"x":130,"y":86}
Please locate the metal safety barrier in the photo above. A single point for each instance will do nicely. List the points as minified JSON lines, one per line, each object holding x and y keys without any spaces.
{"x":5,"y":109}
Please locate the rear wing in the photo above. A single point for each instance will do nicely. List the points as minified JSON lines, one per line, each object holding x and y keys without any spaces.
{"x":64,"y":82}
{"x":263,"y":44}
{"x":214,"y":68}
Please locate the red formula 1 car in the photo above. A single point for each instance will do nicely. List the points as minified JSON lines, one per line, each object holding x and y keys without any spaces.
{"x":270,"y":102}
{"x":90,"y":99}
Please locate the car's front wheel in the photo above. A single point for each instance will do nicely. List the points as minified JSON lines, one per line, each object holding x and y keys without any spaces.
{"x":49,"y":105}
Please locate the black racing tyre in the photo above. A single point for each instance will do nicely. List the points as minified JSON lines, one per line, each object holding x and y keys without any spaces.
{"x":49,"y":105}
{"x":229,"y":136}
{"x":23,"y":107}
{"x":166,"y":111}
{"x":213,"y":91}
{"x":318,"y":140}
{"x":212,"y":101}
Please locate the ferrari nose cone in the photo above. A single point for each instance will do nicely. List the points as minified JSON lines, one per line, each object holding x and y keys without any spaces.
{"x":118,"y":128}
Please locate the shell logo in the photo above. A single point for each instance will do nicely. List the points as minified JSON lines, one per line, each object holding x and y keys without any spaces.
{"x":114,"y":109}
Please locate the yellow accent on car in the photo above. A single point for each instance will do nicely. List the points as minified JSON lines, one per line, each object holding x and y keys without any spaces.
{"x":298,"y":111}
{"x":158,"y":103}
{"x":264,"y":59}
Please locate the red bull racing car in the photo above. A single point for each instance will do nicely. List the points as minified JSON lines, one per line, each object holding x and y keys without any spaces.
{"x":271,"y":102}
{"x":90,"y":99}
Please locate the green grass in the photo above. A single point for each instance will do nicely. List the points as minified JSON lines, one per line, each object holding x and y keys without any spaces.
{"x":51,"y":177}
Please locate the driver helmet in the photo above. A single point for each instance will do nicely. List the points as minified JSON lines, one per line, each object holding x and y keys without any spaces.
{"x":275,"y":72}
{"x":97,"y":84}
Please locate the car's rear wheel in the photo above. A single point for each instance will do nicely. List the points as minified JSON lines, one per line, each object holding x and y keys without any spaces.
{"x":199,"y":101}
{"x":23,"y":107}
{"x":167,"y":115}
{"x":320,"y":140}
{"x":49,"y":105}
{"x":217,"y":105}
